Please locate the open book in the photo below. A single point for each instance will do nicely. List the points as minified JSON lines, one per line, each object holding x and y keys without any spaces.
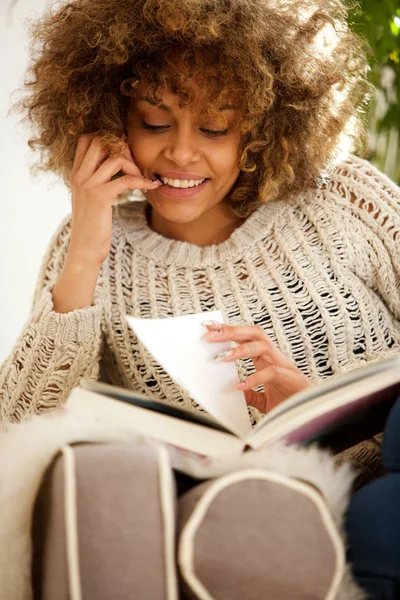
{"x":338,"y":412}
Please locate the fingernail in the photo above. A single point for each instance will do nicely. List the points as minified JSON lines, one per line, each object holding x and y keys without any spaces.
{"x":211,"y":335}
{"x":241,"y":385}
{"x":222,"y":355}
{"x":212,"y":324}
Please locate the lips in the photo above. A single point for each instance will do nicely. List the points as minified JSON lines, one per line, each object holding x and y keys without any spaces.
{"x":187,"y":177}
{"x":173,"y":192}
{"x":180,"y":175}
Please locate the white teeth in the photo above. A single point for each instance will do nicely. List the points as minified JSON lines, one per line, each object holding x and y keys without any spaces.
{"x":181,"y":183}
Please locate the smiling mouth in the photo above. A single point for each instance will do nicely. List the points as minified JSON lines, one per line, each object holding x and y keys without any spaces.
{"x":187,"y":183}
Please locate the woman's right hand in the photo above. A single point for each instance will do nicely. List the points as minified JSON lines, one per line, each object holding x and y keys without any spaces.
{"x":93,"y":195}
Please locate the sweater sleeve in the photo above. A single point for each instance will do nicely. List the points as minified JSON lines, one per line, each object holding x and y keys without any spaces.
{"x":54,"y":351}
{"x":367,"y":206}
{"x":364,"y":204}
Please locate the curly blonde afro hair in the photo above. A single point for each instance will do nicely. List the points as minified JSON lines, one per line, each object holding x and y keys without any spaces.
{"x":293,"y":67}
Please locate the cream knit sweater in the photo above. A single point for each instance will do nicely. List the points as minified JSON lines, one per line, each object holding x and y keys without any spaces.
{"x":320,"y":272}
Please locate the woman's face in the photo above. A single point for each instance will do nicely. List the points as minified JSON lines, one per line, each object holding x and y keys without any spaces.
{"x":172,"y":143}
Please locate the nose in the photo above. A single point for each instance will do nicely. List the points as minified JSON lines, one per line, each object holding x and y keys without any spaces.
{"x":183,"y":148}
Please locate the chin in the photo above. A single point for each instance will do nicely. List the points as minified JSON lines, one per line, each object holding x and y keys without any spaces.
{"x":179,"y":214}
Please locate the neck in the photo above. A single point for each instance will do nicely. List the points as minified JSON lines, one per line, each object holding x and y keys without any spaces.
{"x":212,"y":227}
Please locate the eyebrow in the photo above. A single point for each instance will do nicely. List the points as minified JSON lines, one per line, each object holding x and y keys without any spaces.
{"x":169,"y":109}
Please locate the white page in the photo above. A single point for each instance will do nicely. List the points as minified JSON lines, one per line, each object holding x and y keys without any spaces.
{"x":177,"y":346}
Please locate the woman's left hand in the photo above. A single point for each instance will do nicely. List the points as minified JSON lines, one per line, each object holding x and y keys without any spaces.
{"x":279,"y":376}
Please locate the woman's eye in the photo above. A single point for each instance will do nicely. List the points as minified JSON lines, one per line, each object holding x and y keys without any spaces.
{"x":215,"y":132}
{"x":209,"y":132}
{"x":153,"y":127}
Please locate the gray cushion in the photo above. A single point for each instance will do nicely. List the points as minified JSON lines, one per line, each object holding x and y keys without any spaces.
{"x":104,"y":525}
{"x":255,"y":534}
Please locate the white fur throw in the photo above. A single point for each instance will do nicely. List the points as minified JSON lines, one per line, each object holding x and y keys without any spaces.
{"x":27,"y":449}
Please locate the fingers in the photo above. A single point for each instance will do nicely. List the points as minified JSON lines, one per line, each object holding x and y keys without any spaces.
{"x":288,"y":379}
{"x":256,"y":399}
{"x":128,"y":155}
{"x":264,"y":377}
{"x":221,"y":332}
{"x":264,"y":402}
{"x":246,"y":350}
{"x":111,"y":166}
{"x":122,"y":184}
{"x":84,"y":143}
{"x":278,"y":376}
{"x":92,"y":162}
{"x":247,"y":334}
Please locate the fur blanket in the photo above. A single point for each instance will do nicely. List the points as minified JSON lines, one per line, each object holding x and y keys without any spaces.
{"x":27,"y":449}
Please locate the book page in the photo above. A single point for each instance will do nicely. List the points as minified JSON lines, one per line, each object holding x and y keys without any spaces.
{"x":129,"y":421}
{"x":152,"y":404}
{"x":177,"y":346}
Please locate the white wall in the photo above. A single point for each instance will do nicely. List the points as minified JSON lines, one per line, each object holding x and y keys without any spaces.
{"x":29,"y":210}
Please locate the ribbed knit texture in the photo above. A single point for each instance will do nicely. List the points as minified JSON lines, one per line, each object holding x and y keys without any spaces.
{"x":320,"y":272}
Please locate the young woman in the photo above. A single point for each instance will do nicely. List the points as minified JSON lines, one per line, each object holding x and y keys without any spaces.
{"x":232,"y":119}
{"x":235,"y":120}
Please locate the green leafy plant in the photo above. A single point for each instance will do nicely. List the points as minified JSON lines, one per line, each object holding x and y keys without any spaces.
{"x":378,"y":22}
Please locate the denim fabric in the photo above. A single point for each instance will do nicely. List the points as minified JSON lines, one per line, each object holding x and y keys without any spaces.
{"x":391,"y":441}
{"x":373,"y":523}
{"x":383,"y":588}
